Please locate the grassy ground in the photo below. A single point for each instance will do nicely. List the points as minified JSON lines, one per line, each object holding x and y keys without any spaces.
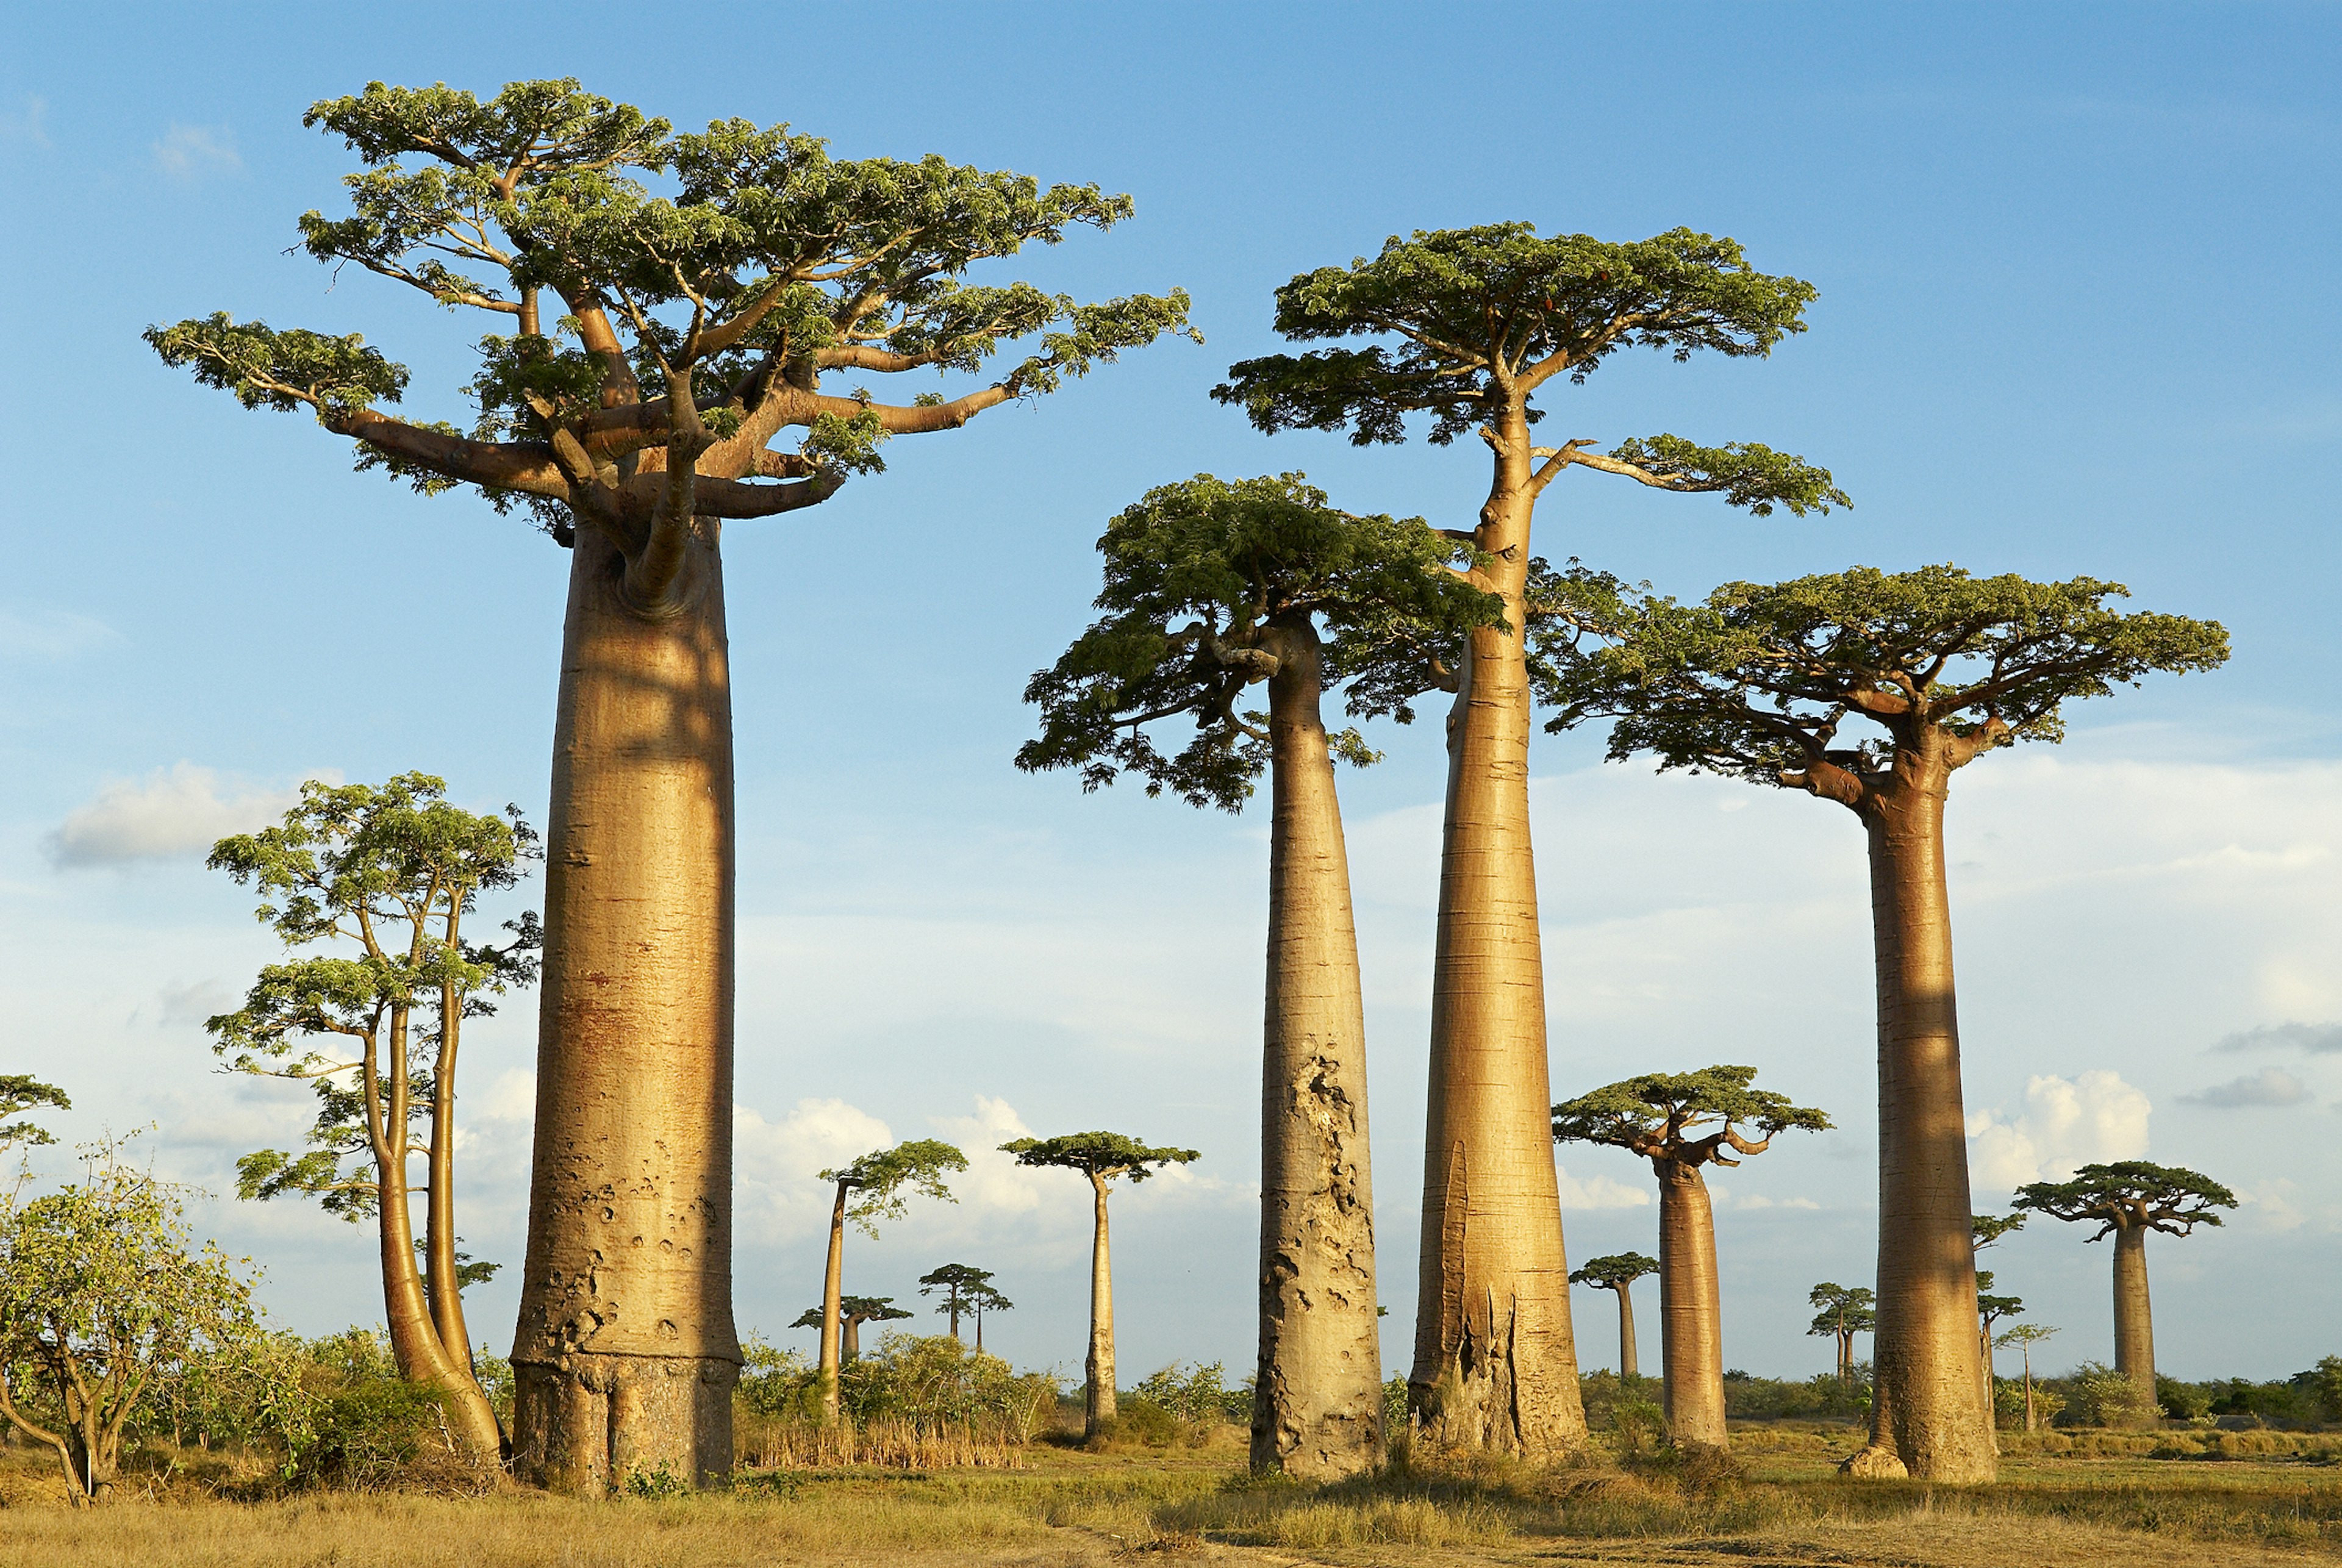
{"x":1783,"y":1505}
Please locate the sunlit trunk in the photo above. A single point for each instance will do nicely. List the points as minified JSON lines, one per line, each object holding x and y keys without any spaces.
{"x":1691,"y":1336}
{"x":1925,"y":1405}
{"x":444,"y":1292}
{"x":1494,"y":1366}
{"x":2134,"y":1317}
{"x":624,"y":1355}
{"x":832,"y":1291}
{"x":1627,"y":1365}
{"x":1099,"y":1405}
{"x":1317,"y":1404}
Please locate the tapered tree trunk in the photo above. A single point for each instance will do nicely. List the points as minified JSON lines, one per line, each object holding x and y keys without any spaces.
{"x":1494,"y":1366}
{"x":832,"y":1291}
{"x":444,"y":1287}
{"x":1627,"y":1365}
{"x":849,"y":1337}
{"x":1691,"y":1320}
{"x":1098,"y":1399}
{"x":953,"y":1303}
{"x":1317,"y":1399}
{"x":979,"y":1333}
{"x":1926,"y":1408}
{"x":624,"y":1355}
{"x":2134,"y":1317}
{"x":1845,"y":1356}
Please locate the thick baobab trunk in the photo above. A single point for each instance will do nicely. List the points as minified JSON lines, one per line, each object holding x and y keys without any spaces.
{"x":1691,"y":1319}
{"x":832,"y":1291}
{"x":1926,"y":1408}
{"x":625,"y":1356}
{"x":1627,"y":1365}
{"x":1098,"y":1399}
{"x":2134,"y":1317}
{"x":1494,"y":1366}
{"x":1318,"y":1400}
{"x":849,"y":1339}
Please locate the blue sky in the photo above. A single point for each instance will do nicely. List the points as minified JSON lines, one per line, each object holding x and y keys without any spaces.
{"x":2075,"y":314}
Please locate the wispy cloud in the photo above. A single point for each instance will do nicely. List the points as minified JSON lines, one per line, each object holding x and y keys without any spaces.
{"x":1598,"y":1191}
{"x":51,"y":635}
{"x":2269,"y":1086}
{"x":190,"y":153}
{"x":2317,"y":1039}
{"x":176,"y":813}
{"x":2066,"y":1122}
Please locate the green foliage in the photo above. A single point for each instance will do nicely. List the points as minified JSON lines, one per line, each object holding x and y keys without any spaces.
{"x":2097,"y":1395}
{"x":1394,"y":1404}
{"x":1985,"y":1229}
{"x":1101,"y":1155}
{"x":1138,"y":1419}
{"x":20,"y":1092}
{"x":2185,"y":1401}
{"x":1465,"y":313}
{"x":1821,"y":1397}
{"x":1613,"y":1271}
{"x":2323,"y":1383}
{"x":880,"y":1178}
{"x":1757,"y":681}
{"x":1747,"y":473}
{"x":266,"y":368}
{"x":967,"y":1289}
{"x":1657,"y":1115}
{"x":1844,"y":1310}
{"x":855,"y":1309}
{"x":1196,"y":1392}
{"x":1209,"y":584}
{"x":932,"y":1382}
{"x":2131,"y":1193}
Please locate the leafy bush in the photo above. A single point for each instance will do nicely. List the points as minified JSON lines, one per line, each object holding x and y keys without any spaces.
{"x":1138,"y":1419}
{"x":1821,"y":1397}
{"x":930,"y":1381}
{"x":2097,"y":1395}
{"x":2323,"y":1385}
{"x":367,"y":1428}
{"x":1199,"y":1394}
{"x":2184,"y":1400}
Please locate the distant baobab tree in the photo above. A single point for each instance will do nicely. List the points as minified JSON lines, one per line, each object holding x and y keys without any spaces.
{"x":1844,"y":1312}
{"x":853,"y":1311}
{"x":675,"y":313}
{"x":981,"y":1299}
{"x":1102,"y":1158}
{"x":1756,"y":681}
{"x":956,"y":1280}
{"x":1618,"y":1273}
{"x":1470,"y":327}
{"x":2025,"y":1335}
{"x":1213,"y":587}
{"x":872,"y":1187}
{"x":2126,"y":1200}
{"x":1680,"y":1122}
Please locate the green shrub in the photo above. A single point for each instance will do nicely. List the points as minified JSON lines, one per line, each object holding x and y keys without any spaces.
{"x":2184,"y":1400}
{"x":1138,"y":1419}
{"x":1198,"y":1394}
{"x":2097,"y":1395}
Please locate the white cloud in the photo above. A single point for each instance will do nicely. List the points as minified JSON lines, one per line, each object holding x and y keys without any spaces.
{"x":2269,"y":1086}
{"x":178,"y":812}
{"x":188,"y":152}
{"x":183,"y":1007}
{"x":778,"y":1196}
{"x":2271,"y":1204}
{"x":2088,"y":1119}
{"x":1597,"y":1190}
{"x":49,"y":634}
{"x":2317,"y":1039}
{"x":1760,"y":1201}
{"x":993,"y":1182}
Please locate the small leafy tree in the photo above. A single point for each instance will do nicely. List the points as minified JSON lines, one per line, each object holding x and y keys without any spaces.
{"x":372,"y":887}
{"x":853,"y":1311}
{"x":876,"y":1186}
{"x":1102,"y":1158}
{"x":1469,"y":330}
{"x":1618,"y":1273}
{"x":2126,"y":1200}
{"x":1870,"y":689}
{"x":1844,"y":1312}
{"x":1213,"y":587}
{"x":103,"y":1295}
{"x":2025,"y":1335}
{"x":1680,"y":1122}
{"x":958,"y":1282}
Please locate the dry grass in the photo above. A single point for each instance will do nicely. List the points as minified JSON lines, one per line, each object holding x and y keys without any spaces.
{"x":1777,"y":1503}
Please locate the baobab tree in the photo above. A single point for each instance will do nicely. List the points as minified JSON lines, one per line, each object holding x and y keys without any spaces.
{"x":1618,"y":1273}
{"x":1755,"y":682}
{"x":983,"y":1298}
{"x":1680,"y":1122}
{"x":1468,"y":326}
{"x":1844,"y":1312}
{"x":371,"y":887}
{"x":1213,"y":587}
{"x":853,"y":1311}
{"x":2025,"y":1335}
{"x":875,"y":1186}
{"x":678,"y":308}
{"x":1990,"y":1310}
{"x":20,"y":1092}
{"x":2126,"y":1200}
{"x":959,"y":1283}
{"x":1101,"y":1158}
{"x":1986,"y":1231}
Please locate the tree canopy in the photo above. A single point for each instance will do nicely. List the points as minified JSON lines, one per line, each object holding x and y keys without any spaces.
{"x":1198,"y":575}
{"x":1992,"y":1308}
{"x":859,"y":1309}
{"x":706,"y":281}
{"x":877,"y":1180}
{"x":1985,"y":1229}
{"x":1472,"y":322}
{"x":20,"y":1092}
{"x":1659,"y":1115}
{"x":1102,"y":1156}
{"x":2131,"y":1195}
{"x":1614,"y":1272}
{"x":1757,"y":680}
{"x":1845,"y":1311}
{"x":966,"y":1289}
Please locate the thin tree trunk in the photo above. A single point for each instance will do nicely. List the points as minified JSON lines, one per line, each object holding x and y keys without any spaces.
{"x":1691,"y":1337}
{"x":473,"y":1415}
{"x":1925,"y":1407}
{"x":953,"y":1304}
{"x":979,"y":1331}
{"x":1494,"y":1364}
{"x":1098,"y":1403}
{"x":2134,"y":1317}
{"x":832,"y":1290}
{"x":2031,"y":1424}
{"x":1846,"y":1355}
{"x":624,"y":1355}
{"x":1318,"y":1400}
{"x":1627,"y":1365}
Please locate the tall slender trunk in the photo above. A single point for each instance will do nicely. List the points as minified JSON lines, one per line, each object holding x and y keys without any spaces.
{"x":2031,"y":1422}
{"x":849,"y":1339}
{"x":1318,"y":1400}
{"x":1846,"y":1355}
{"x":1627,"y":1365}
{"x":624,"y":1355}
{"x":1494,"y":1364}
{"x":979,"y":1331}
{"x":832,"y":1290}
{"x":2134,"y":1317}
{"x":1691,"y":1320}
{"x":1925,"y":1406}
{"x":445,"y":1291}
{"x":1097,"y":1401}
{"x":953,"y":1304}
